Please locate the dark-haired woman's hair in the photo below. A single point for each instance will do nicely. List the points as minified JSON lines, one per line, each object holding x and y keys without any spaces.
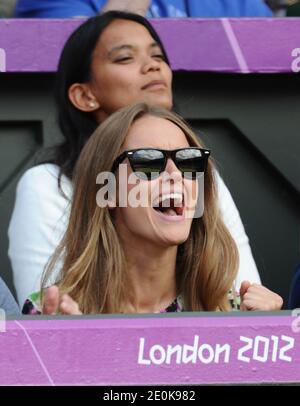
{"x":75,"y":67}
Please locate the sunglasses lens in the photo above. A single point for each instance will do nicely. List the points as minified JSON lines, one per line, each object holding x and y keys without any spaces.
{"x":149,"y":162}
{"x":191,"y":161}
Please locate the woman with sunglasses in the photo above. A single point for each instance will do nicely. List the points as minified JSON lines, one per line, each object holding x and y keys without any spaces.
{"x":109,"y":62}
{"x":159,"y":256}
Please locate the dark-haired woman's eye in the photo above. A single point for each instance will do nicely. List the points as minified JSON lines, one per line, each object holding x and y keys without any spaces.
{"x":124,"y":59}
{"x":159,"y":56}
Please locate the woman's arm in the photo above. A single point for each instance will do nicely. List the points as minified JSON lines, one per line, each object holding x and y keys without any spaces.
{"x":231,"y":217}
{"x":37,"y":225}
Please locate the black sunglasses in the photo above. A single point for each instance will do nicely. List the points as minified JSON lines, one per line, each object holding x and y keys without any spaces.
{"x":151,"y":162}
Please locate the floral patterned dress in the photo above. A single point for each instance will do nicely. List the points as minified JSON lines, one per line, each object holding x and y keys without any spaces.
{"x":32,"y":306}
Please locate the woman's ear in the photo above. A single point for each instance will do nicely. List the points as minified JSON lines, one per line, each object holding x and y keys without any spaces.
{"x":83,"y":98}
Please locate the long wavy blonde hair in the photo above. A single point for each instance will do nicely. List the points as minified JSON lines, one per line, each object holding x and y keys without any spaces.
{"x":94,"y":271}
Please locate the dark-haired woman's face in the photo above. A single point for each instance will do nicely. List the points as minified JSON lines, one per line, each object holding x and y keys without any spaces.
{"x":127,"y":67}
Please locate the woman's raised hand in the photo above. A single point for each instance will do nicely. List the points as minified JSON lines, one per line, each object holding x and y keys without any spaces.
{"x":54,"y":303}
{"x":256,"y":297}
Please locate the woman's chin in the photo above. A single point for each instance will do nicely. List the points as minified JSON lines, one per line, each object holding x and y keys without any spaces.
{"x":172,"y":240}
{"x":172,"y":236}
{"x":160,"y":100}
{"x":171,"y":230}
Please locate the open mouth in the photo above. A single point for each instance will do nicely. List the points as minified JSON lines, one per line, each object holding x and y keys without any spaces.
{"x":170,"y":204}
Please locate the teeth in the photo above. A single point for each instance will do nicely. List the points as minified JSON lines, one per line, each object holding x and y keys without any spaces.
{"x":176,"y":197}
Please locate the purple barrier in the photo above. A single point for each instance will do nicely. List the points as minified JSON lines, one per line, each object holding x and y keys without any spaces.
{"x":217,"y":45}
{"x":178,"y":349}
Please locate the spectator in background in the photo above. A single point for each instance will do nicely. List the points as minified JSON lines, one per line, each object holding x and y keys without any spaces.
{"x":7,"y":302}
{"x":278,"y":6}
{"x":209,"y":8}
{"x":77,"y":8}
{"x":149,"y":8}
{"x":7,"y":8}
{"x":293,"y":9}
{"x":294,"y":296}
{"x":283,"y":8}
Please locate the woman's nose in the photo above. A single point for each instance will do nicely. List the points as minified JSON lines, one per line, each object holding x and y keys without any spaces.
{"x":150,"y":64}
{"x":173,"y":171}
